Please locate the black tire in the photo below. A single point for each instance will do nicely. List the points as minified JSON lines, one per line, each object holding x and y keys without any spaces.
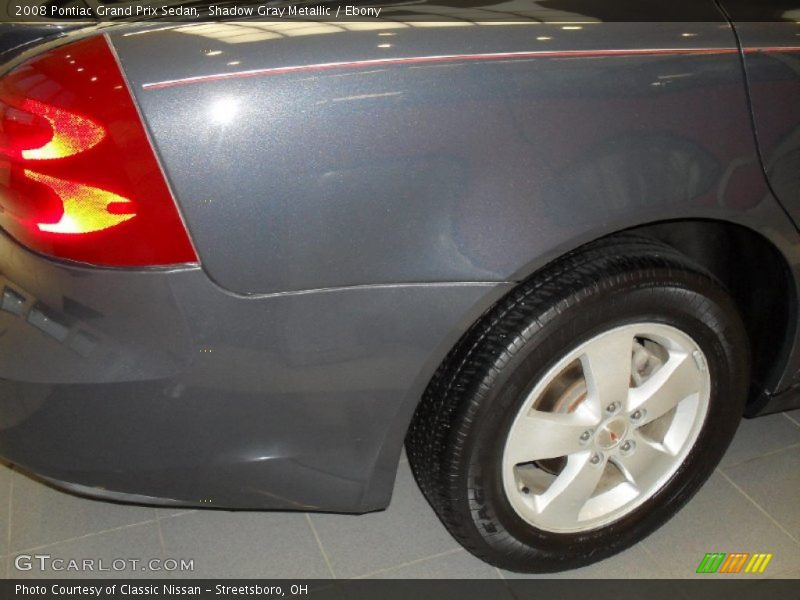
{"x":455,"y":441}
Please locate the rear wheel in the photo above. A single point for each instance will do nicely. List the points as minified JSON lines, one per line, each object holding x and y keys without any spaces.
{"x":585,"y":409}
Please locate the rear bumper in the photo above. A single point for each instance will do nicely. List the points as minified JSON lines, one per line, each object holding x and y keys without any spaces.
{"x":158,"y":386}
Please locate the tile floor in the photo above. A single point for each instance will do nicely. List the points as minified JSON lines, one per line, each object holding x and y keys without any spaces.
{"x":749,"y":505}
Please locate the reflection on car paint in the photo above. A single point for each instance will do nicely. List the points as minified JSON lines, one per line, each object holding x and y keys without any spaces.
{"x":48,"y":321}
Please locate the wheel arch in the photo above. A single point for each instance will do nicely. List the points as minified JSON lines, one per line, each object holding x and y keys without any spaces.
{"x":761,"y":281}
{"x":725,"y":248}
{"x":754,"y":267}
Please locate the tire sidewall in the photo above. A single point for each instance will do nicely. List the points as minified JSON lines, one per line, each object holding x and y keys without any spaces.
{"x":689,"y":303}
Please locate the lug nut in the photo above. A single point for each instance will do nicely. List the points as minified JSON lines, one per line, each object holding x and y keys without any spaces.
{"x":637,"y":414}
{"x":596,"y":458}
{"x":612,"y":408}
{"x":627,"y":446}
{"x":586,"y":435}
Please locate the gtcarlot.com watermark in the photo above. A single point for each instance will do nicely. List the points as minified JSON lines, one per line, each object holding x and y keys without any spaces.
{"x":46,"y":562}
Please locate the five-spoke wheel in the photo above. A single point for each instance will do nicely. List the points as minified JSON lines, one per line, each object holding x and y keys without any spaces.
{"x":606,"y":427}
{"x":584,"y":409}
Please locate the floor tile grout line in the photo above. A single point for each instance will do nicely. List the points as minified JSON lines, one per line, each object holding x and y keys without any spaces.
{"x":646,"y":550}
{"x":791,"y":419}
{"x":409,"y":563}
{"x":188,"y":511}
{"x":161,"y":538}
{"x":643,"y":545}
{"x":766,"y":455}
{"x":320,"y":546}
{"x":758,"y":506}
{"x":85,"y":536}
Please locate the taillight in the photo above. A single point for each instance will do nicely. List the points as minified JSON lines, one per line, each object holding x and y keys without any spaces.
{"x":78,"y":177}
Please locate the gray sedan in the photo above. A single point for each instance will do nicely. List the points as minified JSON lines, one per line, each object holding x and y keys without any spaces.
{"x":552,"y":252}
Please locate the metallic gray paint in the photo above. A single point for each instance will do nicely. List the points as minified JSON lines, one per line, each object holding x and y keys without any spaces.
{"x":771,"y":58}
{"x":450,"y":171}
{"x":457,"y":169}
{"x":352,"y":223}
{"x":772,"y":62}
{"x":283,"y":401}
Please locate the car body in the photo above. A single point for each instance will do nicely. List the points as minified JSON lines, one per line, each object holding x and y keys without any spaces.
{"x":358,"y":196}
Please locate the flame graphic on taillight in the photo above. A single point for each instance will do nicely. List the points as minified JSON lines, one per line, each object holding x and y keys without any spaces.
{"x":72,"y":134}
{"x":79,"y":179}
{"x":85,"y":207}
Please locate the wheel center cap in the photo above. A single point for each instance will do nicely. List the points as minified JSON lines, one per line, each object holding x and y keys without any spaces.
{"x":610,"y":433}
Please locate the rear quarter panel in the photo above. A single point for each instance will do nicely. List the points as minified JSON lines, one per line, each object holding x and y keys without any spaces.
{"x":296,"y":174}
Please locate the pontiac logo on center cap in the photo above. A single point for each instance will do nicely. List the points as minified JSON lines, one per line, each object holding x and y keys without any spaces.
{"x":609,"y":434}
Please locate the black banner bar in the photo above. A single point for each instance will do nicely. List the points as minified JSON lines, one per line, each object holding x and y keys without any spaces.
{"x":314,"y":589}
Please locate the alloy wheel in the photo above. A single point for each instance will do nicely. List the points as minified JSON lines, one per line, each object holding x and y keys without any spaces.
{"x":606,"y":427}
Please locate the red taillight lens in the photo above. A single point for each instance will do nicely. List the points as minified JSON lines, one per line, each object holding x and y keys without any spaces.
{"x":78,"y":177}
